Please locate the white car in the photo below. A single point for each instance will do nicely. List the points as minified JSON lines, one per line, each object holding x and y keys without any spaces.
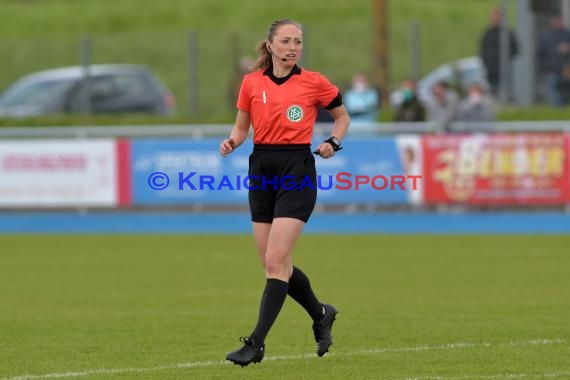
{"x":465,"y":71}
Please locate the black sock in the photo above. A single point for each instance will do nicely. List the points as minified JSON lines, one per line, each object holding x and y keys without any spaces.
{"x":300,"y":290}
{"x":271,"y":302}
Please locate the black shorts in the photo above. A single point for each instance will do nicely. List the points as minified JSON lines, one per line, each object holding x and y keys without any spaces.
{"x":282,"y":182}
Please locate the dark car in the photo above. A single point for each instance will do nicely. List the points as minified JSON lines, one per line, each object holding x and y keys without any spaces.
{"x":101,"y":89}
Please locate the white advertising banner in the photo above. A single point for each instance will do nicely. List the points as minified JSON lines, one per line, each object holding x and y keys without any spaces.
{"x":58,"y":173}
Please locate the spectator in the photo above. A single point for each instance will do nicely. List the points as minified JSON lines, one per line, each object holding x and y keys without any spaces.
{"x":442,"y":107}
{"x":361,"y":101}
{"x":490,"y":50}
{"x":553,"y":52}
{"x":564,"y":85}
{"x":409,"y":108}
{"x":478,"y":106}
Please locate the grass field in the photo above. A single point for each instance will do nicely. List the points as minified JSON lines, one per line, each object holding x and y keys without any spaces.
{"x":171,"y":307}
{"x":338,"y":38}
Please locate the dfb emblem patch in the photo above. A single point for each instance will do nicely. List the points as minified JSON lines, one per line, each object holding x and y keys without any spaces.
{"x":295,"y":113}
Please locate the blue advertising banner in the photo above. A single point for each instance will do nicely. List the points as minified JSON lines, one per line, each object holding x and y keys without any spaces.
{"x":372,"y":170}
{"x":182,"y":171}
{"x":185,"y":171}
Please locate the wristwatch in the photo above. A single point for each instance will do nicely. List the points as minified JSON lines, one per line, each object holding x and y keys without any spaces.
{"x":335,"y":143}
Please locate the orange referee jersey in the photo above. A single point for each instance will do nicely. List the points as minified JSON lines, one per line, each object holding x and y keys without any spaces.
{"x":284,"y":113}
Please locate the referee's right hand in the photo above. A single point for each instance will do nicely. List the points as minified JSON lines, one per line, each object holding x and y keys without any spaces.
{"x":227,"y":147}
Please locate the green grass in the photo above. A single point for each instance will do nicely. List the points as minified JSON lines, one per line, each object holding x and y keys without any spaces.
{"x":410,"y":307}
{"x":37,"y":35}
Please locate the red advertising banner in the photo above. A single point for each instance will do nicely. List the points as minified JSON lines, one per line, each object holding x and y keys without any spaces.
{"x":497,"y":169}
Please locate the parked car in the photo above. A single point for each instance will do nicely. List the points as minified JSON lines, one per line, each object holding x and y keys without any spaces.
{"x":102,"y":89}
{"x":463,"y":72}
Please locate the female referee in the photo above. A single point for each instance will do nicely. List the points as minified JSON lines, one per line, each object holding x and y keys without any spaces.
{"x":280,"y":100}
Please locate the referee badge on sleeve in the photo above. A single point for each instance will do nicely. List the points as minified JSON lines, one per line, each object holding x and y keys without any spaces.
{"x":294,"y":113}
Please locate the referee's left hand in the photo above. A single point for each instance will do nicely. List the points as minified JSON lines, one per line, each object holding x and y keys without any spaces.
{"x":325,"y":150}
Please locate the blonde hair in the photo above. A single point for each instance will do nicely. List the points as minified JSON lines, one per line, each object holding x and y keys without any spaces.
{"x":263,"y":55}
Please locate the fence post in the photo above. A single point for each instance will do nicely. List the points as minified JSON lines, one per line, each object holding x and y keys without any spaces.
{"x":416,"y":47}
{"x":380,"y":49}
{"x":504,"y":56}
{"x":524,"y":75}
{"x":305,"y":57}
{"x":192,"y":73}
{"x":85,"y":58}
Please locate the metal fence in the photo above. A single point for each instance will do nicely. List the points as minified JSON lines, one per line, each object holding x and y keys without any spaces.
{"x":321,"y":129}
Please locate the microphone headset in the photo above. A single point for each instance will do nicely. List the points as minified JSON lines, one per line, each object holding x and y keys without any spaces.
{"x":276,"y":56}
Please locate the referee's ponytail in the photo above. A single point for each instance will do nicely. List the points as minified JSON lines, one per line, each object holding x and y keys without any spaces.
{"x":263,"y":55}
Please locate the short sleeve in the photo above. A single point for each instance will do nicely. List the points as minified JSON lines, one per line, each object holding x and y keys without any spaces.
{"x":244,"y":98}
{"x":326,"y":91}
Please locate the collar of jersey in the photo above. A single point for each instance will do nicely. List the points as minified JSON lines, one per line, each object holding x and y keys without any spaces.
{"x":296,"y":70}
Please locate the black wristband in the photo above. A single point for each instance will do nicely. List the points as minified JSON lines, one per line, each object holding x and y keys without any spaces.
{"x":335,"y":143}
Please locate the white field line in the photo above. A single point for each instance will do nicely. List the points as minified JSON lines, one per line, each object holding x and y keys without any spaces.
{"x":546,"y":375}
{"x":371,"y":351}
